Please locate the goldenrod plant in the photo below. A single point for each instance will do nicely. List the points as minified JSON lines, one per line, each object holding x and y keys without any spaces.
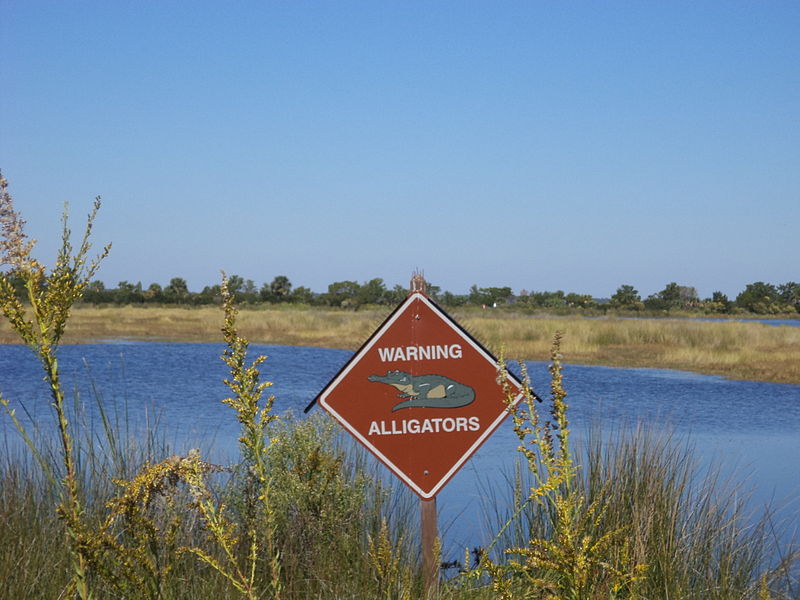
{"x":49,"y":295}
{"x":577,"y":559}
{"x":394,"y":576}
{"x":254,"y":529}
{"x":136,"y":549}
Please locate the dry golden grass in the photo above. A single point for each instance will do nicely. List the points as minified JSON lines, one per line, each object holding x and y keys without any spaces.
{"x":289,"y":325}
{"x":738,"y":350}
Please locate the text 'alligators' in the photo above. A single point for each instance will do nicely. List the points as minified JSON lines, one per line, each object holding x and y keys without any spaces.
{"x":414,"y":426}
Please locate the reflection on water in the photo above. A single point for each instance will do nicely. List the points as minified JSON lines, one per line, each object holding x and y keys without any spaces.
{"x":751,"y":429}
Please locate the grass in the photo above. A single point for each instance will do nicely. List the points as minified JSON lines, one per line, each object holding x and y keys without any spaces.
{"x":287,"y":325}
{"x":735,"y":349}
{"x":680,"y":531}
{"x":329,"y":505}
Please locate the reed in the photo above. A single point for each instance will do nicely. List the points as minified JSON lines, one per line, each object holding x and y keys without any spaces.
{"x":629,"y":515}
{"x":50,"y":295}
{"x":130,"y":524}
{"x":737,"y":350}
{"x":337,"y":532}
{"x":734,"y":349}
{"x":686,"y":532}
{"x":288,"y":325}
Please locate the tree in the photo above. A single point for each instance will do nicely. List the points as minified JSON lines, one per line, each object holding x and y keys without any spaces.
{"x":667,"y":298}
{"x":555,"y":299}
{"x":671,"y":297}
{"x":498,"y":295}
{"x":537,"y":299}
{"x":342,"y":293}
{"x":450,"y":299}
{"x":719,"y":297}
{"x":372,"y":292}
{"x":489,"y":296}
{"x":718,"y":303}
{"x":249,"y":292}
{"x":95,"y":292}
{"x":127,"y":292}
{"x":235,"y":285}
{"x":302,"y":295}
{"x":760,"y":298}
{"x":432,"y":290}
{"x":626,"y":297}
{"x":688,"y":296}
{"x":789,"y":293}
{"x":177,"y":290}
{"x":478,"y":296}
{"x":210,"y":295}
{"x":154,"y":293}
{"x":396,"y":295}
{"x":280,"y":288}
{"x":580,"y":300}
{"x":266,"y":293}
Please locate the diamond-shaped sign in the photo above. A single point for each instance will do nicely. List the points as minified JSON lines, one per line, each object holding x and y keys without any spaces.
{"x":421,"y":395}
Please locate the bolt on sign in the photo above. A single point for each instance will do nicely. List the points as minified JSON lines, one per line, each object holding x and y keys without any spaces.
{"x":421,"y":394}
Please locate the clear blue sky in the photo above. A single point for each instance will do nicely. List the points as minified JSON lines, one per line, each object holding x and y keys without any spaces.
{"x":541,"y":145}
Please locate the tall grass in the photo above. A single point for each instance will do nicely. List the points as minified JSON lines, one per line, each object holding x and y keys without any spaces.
{"x":629,"y":516}
{"x":739,"y":350}
{"x":339,"y":531}
{"x":283,"y":324}
{"x":344,"y":535}
{"x":693,"y":534}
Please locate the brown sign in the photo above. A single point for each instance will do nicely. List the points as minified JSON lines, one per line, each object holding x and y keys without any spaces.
{"x":421,"y":395}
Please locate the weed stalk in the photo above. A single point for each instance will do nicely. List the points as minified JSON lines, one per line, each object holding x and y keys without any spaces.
{"x":257,"y":524}
{"x":50,"y":296}
{"x":575,"y":560}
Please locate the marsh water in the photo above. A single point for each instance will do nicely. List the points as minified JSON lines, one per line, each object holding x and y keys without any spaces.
{"x":750,"y":430}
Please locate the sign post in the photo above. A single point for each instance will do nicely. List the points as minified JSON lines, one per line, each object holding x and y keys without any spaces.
{"x":422,"y":396}
{"x":429,"y":531}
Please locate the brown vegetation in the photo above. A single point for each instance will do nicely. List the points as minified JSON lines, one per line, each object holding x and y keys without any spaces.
{"x":734,"y":349}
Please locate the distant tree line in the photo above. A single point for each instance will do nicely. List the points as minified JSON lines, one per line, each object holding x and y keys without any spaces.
{"x":758,"y":298}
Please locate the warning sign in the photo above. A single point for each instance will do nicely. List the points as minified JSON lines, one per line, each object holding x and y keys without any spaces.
{"x":421,"y":395}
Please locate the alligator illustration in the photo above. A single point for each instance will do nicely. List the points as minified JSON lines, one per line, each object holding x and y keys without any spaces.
{"x":426,"y":391}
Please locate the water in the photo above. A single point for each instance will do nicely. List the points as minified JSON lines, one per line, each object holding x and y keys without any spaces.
{"x":751,"y":429}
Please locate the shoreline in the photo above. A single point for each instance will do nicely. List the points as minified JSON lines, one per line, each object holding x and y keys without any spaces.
{"x":735,"y":349}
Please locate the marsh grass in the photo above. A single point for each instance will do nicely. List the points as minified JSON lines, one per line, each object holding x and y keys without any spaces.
{"x":735,"y":349}
{"x":695,"y":534}
{"x":628,"y":515}
{"x":284,"y":324}
{"x":338,"y":531}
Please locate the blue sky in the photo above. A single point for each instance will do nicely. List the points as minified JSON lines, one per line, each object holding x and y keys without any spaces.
{"x":541,"y":145}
